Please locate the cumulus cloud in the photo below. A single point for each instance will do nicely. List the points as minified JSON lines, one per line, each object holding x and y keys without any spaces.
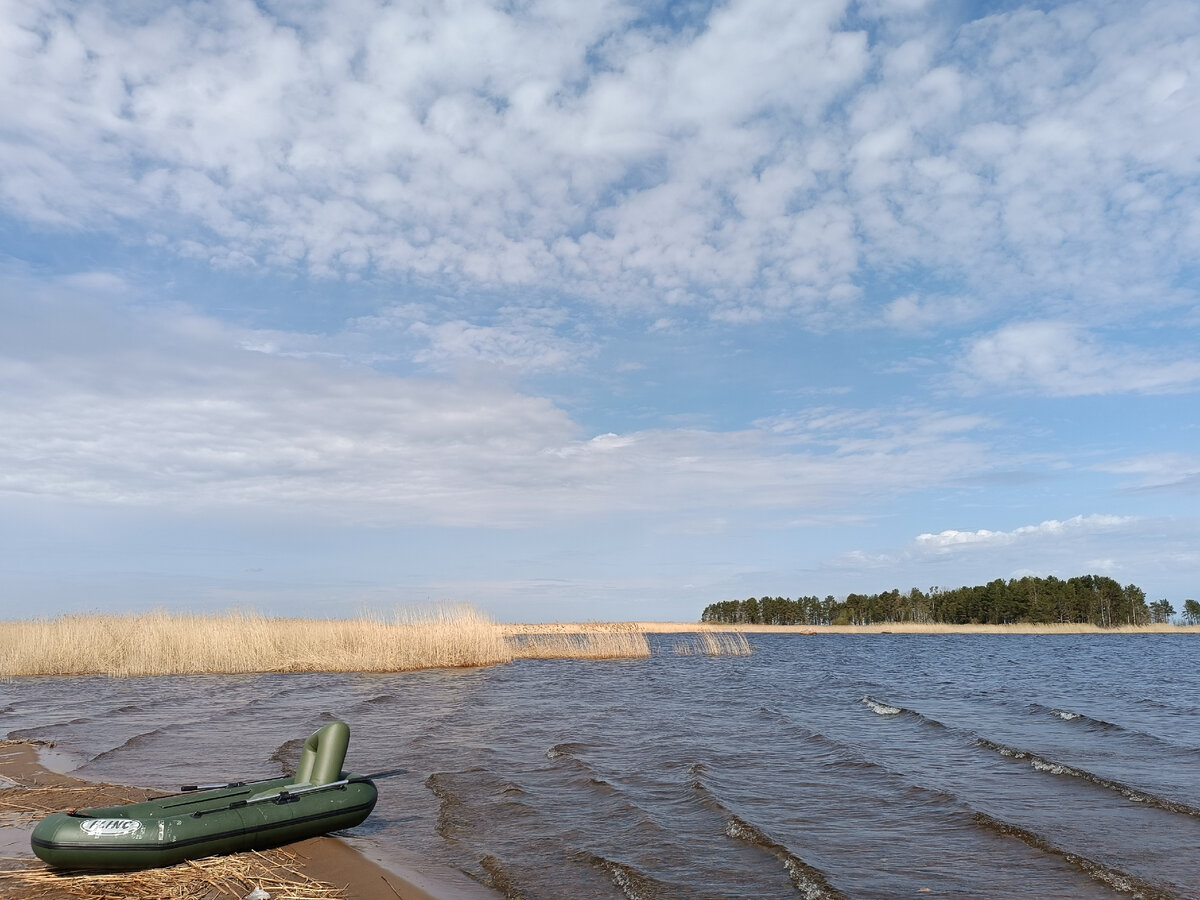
{"x":1064,"y":360}
{"x":949,"y":541}
{"x":752,"y":159}
{"x":1052,"y":544}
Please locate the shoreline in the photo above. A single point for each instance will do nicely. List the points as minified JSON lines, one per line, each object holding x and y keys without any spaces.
{"x":811,"y":630}
{"x":323,"y":862}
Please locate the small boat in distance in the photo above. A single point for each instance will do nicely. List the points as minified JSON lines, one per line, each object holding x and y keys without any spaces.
{"x":209,"y":819}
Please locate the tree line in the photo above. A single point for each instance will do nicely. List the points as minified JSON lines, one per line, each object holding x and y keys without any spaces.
{"x":1094,"y":599}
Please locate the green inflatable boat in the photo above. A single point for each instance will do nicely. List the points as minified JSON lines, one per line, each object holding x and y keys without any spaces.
{"x":212,"y":819}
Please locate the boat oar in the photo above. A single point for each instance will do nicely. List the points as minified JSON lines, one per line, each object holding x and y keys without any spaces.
{"x":388,"y":774}
{"x":225,"y":784}
{"x":235,"y":784}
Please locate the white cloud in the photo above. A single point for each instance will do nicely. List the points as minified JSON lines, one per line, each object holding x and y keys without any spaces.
{"x":763,"y":160}
{"x":167,"y":408}
{"x":1064,"y":360}
{"x":1051,"y":529}
{"x":1157,"y":553}
{"x":520,"y":348}
{"x":913,"y":312}
{"x":1159,"y":470}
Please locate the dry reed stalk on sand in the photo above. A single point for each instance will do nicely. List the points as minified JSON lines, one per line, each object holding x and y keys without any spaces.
{"x":19,"y":806}
{"x":277,"y":872}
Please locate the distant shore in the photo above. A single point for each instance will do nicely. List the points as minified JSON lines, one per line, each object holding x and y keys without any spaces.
{"x":877,"y":628}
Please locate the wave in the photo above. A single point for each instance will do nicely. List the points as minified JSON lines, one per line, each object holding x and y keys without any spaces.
{"x":585,"y":774}
{"x":500,"y":879}
{"x":1068,"y":716}
{"x":809,"y":881}
{"x":375,"y":701}
{"x":633,"y":883}
{"x":1114,"y":878}
{"x":451,"y":815}
{"x":510,"y":787}
{"x":470,"y":797}
{"x":886,"y":709}
{"x":1079,"y":718}
{"x":568,"y":748}
{"x":1100,"y":725}
{"x":133,"y":743}
{"x":1128,"y":792}
{"x":883,"y":709}
{"x":1178,"y":708}
{"x":287,"y":755}
{"x":33,"y":734}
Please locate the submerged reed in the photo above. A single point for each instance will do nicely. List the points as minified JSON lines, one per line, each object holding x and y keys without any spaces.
{"x":730,"y":643}
{"x":593,"y":645}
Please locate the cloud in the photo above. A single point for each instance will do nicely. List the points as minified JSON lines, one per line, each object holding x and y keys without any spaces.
{"x":1051,"y":529}
{"x":165,"y":408}
{"x":1064,"y":360}
{"x":975,"y":556}
{"x":913,"y":312}
{"x":754,"y":159}
{"x":1172,"y":471}
{"x":519,"y":346}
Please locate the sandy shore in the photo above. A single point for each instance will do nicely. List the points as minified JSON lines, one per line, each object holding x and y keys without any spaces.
{"x":322,"y":866}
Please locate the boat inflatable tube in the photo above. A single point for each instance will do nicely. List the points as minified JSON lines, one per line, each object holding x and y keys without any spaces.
{"x":220,"y":819}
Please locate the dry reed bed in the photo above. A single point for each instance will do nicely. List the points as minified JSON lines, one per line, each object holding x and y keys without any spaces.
{"x":161,"y":643}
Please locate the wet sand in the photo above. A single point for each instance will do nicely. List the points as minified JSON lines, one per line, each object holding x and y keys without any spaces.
{"x":26,"y":779}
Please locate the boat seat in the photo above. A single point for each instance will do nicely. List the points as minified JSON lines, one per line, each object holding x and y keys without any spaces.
{"x":320,"y":760}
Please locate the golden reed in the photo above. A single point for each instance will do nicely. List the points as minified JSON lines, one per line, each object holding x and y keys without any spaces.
{"x":164,"y":643}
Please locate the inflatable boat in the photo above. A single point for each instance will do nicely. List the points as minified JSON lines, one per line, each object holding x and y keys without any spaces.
{"x":209,"y":819}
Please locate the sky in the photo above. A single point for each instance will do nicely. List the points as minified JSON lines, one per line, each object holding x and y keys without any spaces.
{"x":597,"y":310}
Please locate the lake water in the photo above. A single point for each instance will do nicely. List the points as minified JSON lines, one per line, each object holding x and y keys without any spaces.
{"x":820,"y":767}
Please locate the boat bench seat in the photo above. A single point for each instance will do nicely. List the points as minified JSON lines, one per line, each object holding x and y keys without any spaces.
{"x":320,"y":760}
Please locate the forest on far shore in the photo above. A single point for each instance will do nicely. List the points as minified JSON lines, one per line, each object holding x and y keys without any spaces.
{"x":1094,"y":599}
